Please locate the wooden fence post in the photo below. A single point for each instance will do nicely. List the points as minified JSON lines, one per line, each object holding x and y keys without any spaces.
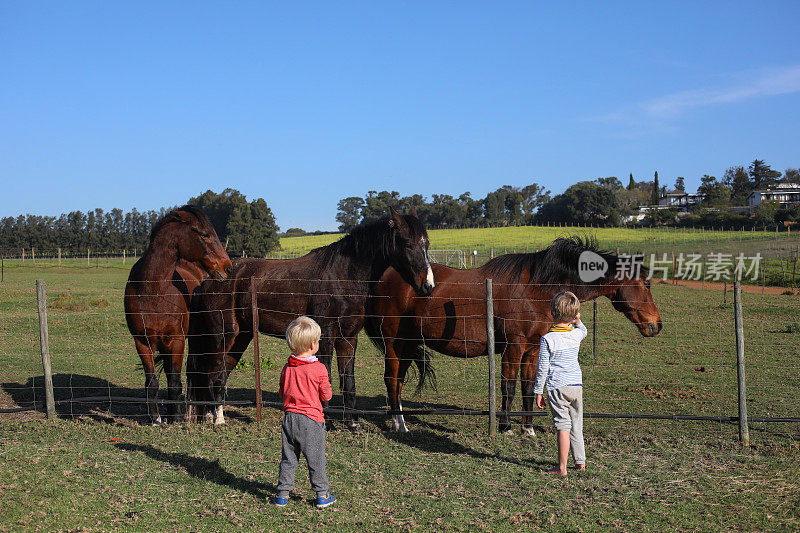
{"x":744,"y":432}
{"x":594,"y":331}
{"x":44,"y":342}
{"x":256,"y":351}
{"x":490,"y":354}
{"x":59,"y":256}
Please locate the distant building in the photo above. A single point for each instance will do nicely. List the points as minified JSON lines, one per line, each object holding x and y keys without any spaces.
{"x":680,"y":199}
{"x":784,"y":193}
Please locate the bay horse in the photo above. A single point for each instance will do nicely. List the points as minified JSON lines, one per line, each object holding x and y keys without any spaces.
{"x":452,"y":320}
{"x":184,"y":250}
{"x":329,"y":284}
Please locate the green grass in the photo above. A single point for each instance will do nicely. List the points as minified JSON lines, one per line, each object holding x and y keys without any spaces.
{"x":99,"y":468}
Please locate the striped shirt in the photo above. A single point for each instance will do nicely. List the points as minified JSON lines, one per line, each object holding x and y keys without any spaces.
{"x":558,"y":358}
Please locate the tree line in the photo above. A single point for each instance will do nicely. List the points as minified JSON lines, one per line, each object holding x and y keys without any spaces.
{"x":602,"y":201}
{"x":242,"y":226}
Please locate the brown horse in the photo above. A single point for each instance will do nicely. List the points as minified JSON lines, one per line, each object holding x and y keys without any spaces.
{"x":329,"y":284}
{"x":452,"y":320}
{"x":184,"y":250}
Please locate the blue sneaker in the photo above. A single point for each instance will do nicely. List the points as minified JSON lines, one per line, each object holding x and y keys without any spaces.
{"x":324,"y":502}
{"x":279,"y":501}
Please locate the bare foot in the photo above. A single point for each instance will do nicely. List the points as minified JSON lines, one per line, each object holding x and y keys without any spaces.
{"x":558,"y":472}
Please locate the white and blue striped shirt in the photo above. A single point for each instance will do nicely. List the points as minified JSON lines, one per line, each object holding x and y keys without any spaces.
{"x":558,"y":359}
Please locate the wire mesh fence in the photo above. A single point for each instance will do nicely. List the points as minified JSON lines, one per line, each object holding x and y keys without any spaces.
{"x":687,"y":371}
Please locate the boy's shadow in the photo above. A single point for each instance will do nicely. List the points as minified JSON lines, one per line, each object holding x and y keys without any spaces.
{"x":202,"y":469}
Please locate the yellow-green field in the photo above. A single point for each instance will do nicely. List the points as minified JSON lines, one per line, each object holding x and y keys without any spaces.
{"x":530,"y":238}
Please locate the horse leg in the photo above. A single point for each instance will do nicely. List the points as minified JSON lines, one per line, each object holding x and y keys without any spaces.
{"x":508,"y":385}
{"x":325,"y":356}
{"x":391,"y":375}
{"x":150,"y":380}
{"x":405,"y":364}
{"x":345,"y":360}
{"x":224,"y":367}
{"x":173,"y":364}
{"x":530,"y":361}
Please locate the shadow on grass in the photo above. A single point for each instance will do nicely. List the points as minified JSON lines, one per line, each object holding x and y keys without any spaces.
{"x":202,"y":469}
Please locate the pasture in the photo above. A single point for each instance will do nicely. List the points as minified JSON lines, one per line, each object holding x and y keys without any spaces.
{"x":98,"y":467}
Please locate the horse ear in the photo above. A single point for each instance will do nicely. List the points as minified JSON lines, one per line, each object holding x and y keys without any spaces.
{"x":397,"y":220}
{"x":184,"y":216}
{"x":413,"y":212}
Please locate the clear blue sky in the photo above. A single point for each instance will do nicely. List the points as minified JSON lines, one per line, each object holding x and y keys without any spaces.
{"x":144,"y":104}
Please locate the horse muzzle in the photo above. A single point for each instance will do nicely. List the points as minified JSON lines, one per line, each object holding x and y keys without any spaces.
{"x":220,"y":274}
{"x":426,"y":289}
{"x":652,"y":329}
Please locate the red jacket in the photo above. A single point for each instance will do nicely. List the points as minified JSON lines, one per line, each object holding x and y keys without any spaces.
{"x":304,"y":386}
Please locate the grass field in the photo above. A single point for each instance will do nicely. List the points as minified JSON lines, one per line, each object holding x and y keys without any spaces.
{"x":99,"y":468}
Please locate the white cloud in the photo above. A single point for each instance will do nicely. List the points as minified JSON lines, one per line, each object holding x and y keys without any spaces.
{"x":766,"y":83}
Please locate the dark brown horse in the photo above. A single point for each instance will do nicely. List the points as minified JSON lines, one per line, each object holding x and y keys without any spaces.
{"x":329,"y":284}
{"x":184,"y":250}
{"x":452,"y":320}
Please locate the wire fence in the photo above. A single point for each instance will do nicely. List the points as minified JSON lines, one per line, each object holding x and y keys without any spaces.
{"x":686,"y":372}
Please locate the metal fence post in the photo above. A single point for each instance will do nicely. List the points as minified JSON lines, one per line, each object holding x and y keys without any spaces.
{"x":490,"y":354}
{"x":744,"y":432}
{"x":256,"y":351}
{"x":44,"y":341}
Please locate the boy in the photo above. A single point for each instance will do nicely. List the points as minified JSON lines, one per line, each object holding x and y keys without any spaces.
{"x":559,"y":369}
{"x":304,"y":386}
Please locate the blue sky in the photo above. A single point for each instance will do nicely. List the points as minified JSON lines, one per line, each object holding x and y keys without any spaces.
{"x":145,"y":104}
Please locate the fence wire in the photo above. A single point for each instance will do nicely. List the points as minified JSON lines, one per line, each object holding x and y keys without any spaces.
{"x":687,"y":371}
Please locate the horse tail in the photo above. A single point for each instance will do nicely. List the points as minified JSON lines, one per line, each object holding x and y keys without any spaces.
{"x":426,"y":372}
{"x":421,"y":356}
{"x":158,"y":362}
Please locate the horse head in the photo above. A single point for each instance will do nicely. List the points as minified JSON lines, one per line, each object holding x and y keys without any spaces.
{"x":198,"y":242}
{"x":410,"y":251}
{"x":632,"y":298}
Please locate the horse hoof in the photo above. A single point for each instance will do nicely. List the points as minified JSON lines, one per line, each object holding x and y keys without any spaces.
{"x":157,"y":421}
{"x":355,"y":427}
{"x":528,"y":432}
{"x":508,"y":431}
{"x":208,"y":418}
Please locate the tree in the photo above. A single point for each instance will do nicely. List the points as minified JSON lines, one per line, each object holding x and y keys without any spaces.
{"x":762,"y":175}
{"x":349,"y":212}
{"x":534,"y":196}
{"x":739,"y":182}
{"x":679,"y":186}
{"x":631,"y":182}
{"x":791,"y":175}
{"x":765,"y":212}
{"x":611,"y":183}
{"x":247,"y":227}
{"x":717,"y":194}
{"x":377,"y":204}
{"x":585,"y":202}
{"x":656,"y":190}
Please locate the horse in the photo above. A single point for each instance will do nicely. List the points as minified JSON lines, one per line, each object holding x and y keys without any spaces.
{"x":184,"y":250}
{"x":330,"y":284}
{"x":452,"y":320}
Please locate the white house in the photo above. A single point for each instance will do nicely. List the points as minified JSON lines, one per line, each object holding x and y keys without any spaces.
{"x":784,"y":193}
{"x":680,"y":199}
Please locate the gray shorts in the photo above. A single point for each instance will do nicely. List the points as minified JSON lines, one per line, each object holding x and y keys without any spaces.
{"x":566,"y":405}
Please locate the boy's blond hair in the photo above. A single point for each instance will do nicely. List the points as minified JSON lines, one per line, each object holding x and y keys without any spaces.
{"x":302,"y":333}
{"x":565,"y":307}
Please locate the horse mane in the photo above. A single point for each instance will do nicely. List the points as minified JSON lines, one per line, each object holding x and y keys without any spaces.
{"x":557,"y":264}
{"x":369,"y":240}
{"x":172,"y":216}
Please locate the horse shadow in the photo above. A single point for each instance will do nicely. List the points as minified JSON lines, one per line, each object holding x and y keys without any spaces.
{"x":200,"y":468}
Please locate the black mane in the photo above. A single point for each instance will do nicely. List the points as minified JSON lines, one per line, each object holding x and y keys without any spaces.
{"x":172,"y":216}
{"x":555,"y":265}
{"x":369,"y":240}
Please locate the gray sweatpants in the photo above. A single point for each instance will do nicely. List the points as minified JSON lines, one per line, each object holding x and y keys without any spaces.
{"x":566,"y":405}
{"x":301,"y":434}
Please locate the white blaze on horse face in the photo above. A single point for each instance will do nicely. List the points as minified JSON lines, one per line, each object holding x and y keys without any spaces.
{"x":430,"y":275}
{"x":219,"y":417}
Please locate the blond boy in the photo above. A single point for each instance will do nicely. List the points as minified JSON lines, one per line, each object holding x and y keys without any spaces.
{"x":304,"y":386}
{"x":560,"y":372}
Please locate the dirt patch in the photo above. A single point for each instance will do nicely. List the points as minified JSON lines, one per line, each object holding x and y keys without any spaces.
{"x":688,"y":393}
